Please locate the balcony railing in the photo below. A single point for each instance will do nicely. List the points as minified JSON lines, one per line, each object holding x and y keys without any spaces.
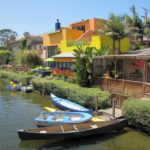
{"x":126,"y":87}
{"x":85,"y":41}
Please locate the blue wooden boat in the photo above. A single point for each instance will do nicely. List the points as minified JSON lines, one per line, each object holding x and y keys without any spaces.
{"x":68,"y":105}
{"x":13,"y":89}
{"x":61,"y":118}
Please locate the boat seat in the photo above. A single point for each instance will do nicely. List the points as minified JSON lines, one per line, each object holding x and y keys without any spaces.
{"x":50,"y":117}
{"x":66,"y":118}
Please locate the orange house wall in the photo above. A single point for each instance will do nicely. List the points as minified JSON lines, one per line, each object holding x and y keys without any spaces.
{"x":91,"y":24}
{"x":64,"y":59}
{"x":96,"y":24}
{"x":84,"y":23}
{"x":70,"y":34}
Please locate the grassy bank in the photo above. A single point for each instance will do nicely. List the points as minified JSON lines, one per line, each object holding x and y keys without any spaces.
{"x":84,"y":96}
{"x":138,"y":113}
{"x":16,"y":77}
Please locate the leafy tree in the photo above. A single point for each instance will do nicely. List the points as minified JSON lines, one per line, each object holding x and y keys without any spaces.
{"x":30,"y":58}
{"x":146,"y":24}
{"x":26,"y":35}
{"x":7,"y":36}
{"x":84,"y":62}
{"x":101,"y":51}
{"x":115,"y":29}
{"x":134,"y":25}
{"x":4,"y":56}
{"x":24,"y":44}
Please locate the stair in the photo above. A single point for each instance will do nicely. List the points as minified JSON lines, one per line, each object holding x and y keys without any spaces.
{"x":86,"y":37}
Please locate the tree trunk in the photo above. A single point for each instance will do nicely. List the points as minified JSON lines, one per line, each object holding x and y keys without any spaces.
{"x":114,"y":46}
{"x":119,"y":46}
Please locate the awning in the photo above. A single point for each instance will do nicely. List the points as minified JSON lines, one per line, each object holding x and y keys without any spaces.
{"x":49,"y":59}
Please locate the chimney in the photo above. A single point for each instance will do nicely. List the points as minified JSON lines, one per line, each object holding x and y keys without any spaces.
{"x":57,"y":25}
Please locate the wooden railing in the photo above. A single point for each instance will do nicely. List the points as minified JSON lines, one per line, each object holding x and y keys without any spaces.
{"x":126,"y":87}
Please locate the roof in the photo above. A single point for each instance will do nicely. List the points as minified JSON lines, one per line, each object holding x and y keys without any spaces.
{"x":65,"y":55}
{"x":137,"y":54}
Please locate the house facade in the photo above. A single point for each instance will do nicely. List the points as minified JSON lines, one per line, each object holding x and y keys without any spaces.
{"x":65,"y":40}
{"x":124,"y":75}
{"x":32,"y":43}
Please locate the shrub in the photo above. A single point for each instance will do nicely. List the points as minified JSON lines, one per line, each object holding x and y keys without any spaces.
{"x":138,"y":113}
{"x":16,"y":77}
{"x":4,"y":56}
{"x":31,"y":58}
{"x":84,"y":96}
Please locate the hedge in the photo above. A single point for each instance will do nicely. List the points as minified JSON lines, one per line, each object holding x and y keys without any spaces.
{"x":16,"y":77}
{"x":138,"y":113}
{"x":84,"y":96}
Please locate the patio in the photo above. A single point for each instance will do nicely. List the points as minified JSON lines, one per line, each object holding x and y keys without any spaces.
{"x":126,"y":74}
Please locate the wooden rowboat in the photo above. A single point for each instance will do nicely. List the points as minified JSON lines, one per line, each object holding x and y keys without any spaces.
{"x":61,"y":118}
{"x":68,"y":105}
{"x":73,"y":130}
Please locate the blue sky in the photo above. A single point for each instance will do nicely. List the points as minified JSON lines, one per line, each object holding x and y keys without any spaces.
{"x":38,"y":16}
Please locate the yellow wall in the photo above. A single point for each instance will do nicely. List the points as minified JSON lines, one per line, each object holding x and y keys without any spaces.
{"x":125,"y":45}
{"x":98,"y":42}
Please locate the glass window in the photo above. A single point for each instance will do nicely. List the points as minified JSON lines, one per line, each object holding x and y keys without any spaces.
{"x":64,"y":65}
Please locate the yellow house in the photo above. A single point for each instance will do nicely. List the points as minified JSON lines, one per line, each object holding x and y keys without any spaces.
{"x":64,"y":40}
{"x":96,"y":41}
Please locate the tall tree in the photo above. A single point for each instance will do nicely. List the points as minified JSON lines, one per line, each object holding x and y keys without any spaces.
{"x":115,"y":29}
{"x":84,"y":63}
{"x":6,"y":37}
{"x":134,"y":25}
{"x":26,"y":35}
{"x":4,"y":56}
{"x":146,"y":24}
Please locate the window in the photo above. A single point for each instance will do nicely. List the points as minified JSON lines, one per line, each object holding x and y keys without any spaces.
{"x":52,"y":50}
{"x":80,"y":28}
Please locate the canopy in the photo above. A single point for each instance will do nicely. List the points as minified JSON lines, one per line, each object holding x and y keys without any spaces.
{"x":49,"y":59}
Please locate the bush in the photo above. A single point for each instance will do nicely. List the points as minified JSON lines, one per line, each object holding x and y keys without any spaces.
{"x":84,"y":96}
{"x":16,"y":77}
{"x":31,"y":58}
{"x":138,"y":113}
{"x":4,"y":56}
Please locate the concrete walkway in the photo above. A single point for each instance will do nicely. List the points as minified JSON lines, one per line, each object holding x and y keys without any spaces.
{"x":108,"y":113}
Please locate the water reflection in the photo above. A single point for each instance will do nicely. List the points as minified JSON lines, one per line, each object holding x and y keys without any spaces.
{"x":18,"y":110}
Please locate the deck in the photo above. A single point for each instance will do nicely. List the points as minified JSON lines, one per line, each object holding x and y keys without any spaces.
{"x":121,"y":89}
{"x":126,"y":87}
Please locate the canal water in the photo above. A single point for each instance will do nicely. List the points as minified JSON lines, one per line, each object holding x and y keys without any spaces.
{"x":18,"y":110}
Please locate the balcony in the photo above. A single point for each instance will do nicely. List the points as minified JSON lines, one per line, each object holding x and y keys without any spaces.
{"x":125,"y":87}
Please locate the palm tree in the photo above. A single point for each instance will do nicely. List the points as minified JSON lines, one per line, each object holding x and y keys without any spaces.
{"x":134,"y":25}
{"x":115,"y":29}
{"x":146,"y":24}
{"x":101,"y":51}
{"x":84,"y":63}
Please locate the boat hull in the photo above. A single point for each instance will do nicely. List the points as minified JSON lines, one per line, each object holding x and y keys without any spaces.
{"x":68,"y":105}
{"x":116,"y":125}
{"x":26,"y":89}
